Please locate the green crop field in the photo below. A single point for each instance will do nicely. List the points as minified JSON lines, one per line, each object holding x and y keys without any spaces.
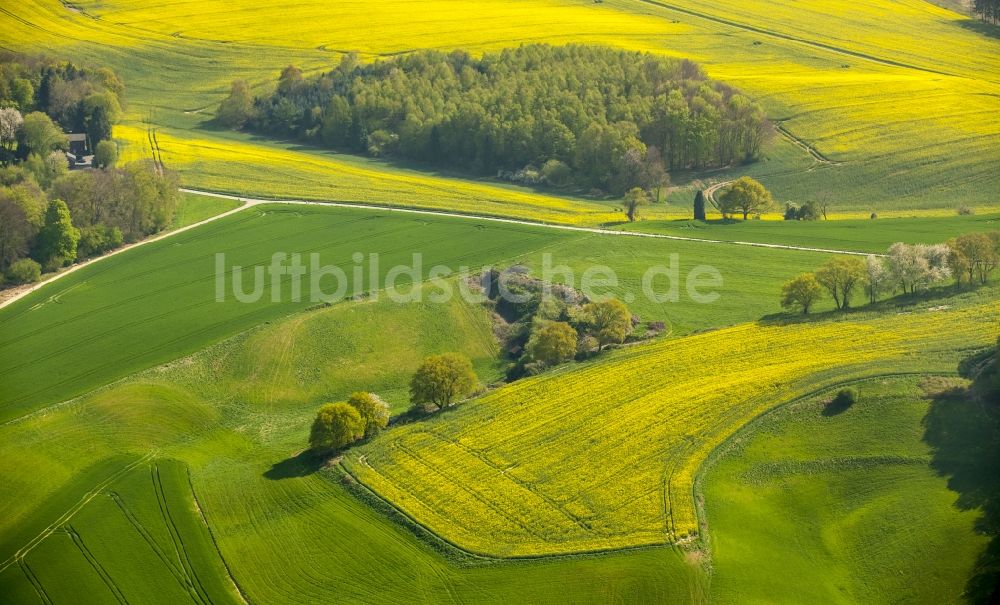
{"x":196,"y":208}
{"x":861,"y":235}
{"x":796,"y":498}
{"x":234,"y":416}
{"x":158,"y":301}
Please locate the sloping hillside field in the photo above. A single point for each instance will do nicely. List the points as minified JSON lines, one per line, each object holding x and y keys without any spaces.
{"x":548,"y":465}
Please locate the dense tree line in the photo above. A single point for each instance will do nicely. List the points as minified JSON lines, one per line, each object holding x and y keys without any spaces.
{"x":988,"y":10}
{"x":79,"y":215}
{"x":49,"y":216}
{"x":73,"y":98}
{"x":572,"y":115}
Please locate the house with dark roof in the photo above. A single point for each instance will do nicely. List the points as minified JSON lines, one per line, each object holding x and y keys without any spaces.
{"x":78,"y":155}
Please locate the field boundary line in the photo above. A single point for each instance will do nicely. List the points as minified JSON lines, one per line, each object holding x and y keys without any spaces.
{"x":86,"y":263}
{"x":712,"y":458}
{"x":247,"y":202}
{"x":425,"y":533}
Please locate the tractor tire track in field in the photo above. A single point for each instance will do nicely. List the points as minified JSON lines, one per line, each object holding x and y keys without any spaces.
{"x":98,"y":568}
{"x":192,"y":583}
{"x":148,"y":538}
{"x":525,"y":485}
{"x":35,"y":582}
{"x":18,"y":557}
{"x":211,"y":534}
{"x":817,"y":156}
{"x":804,"y":41}
{"x":251,"y":202}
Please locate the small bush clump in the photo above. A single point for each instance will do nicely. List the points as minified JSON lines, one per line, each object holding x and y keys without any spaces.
{"x":24,"y":271}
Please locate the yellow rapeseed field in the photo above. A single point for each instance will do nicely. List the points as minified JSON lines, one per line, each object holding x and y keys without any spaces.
{"x":235,"y":166}
{"x":873,"y":117}
{"x":603,"y":455}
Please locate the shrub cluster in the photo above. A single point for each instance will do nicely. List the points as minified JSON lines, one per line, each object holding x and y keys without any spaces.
{"x":338,"y":425}
{"x":543,"y":324}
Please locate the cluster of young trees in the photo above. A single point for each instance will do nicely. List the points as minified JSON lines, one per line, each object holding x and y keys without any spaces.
{"x":77,"y":214}
{"x":581,"y":116}
{"x":906,"y":268}
{"x":440,"y":381}
{"x":988,"y":10}
{"x":809,"y":211}
{"x":41,"y":98}
{"x":338,"y":425}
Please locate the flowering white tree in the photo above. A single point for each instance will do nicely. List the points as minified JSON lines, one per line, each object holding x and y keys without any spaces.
{"x":10,"y":123}
{"x":876,"y":277}
{"x":919,"y":265}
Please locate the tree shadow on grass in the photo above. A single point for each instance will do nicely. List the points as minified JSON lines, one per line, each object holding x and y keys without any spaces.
{"x":836,"y":406}
{"x":962,"y":426}
{"x":300,"y":465}
{"x":900,"y":303}
{"x":981,"y":27}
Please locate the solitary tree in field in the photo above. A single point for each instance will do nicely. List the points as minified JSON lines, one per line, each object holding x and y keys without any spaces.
{"x":337,"y":425}
{"x":634,"y":198}
{"x":442,"y":379}
{"x":747,"y":196}
{"x":610,"y":321}
{"x":801,"y":293}
{"x":699,"y":205}
{"x":374,"y":412}
{"x":236,"y":109}
{"x":552,"y":342}
{"x":841,"y":276}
